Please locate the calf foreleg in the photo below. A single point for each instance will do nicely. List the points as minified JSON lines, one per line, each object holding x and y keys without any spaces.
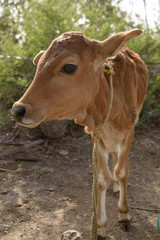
{"x":104,"y":180}
{"x":115,"y":184}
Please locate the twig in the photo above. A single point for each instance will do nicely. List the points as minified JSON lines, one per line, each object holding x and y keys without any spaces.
{"x":6,"y":170}
{"x":23,"y":148}
{"x":147,"y":209}
{"x":11,"y":143}
{"x":27,"y":159}
{"x":82,"y":138}
{"x":111,"y":237}
{"x":17,"y":131}
{"x":148,"y":235}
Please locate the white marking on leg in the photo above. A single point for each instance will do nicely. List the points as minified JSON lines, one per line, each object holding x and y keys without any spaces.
{"x":122,"y":173}
{"x":120,"y":149}
{"x":122,"y":207}
{"x":117,"y":148}
{"x":121,"y":197}
{"x":101,"y":180}
{"x":124,"y":216}
{"x":115,"y":188}
{"x":104,"y":179}
{"x":102,"y":213}
{"x":103,"y":219}
{"x":114,"y":177}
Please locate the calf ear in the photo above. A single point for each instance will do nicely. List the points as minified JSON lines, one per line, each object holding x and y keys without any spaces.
{"x":37,"y":57}
{"x":113,"y":44}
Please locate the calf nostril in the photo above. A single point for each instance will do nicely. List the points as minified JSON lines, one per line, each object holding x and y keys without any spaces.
{"x":19,"y":111}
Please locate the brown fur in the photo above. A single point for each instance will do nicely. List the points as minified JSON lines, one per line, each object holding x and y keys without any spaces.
{"x":85,"y":97}
{"x":130,"y":84}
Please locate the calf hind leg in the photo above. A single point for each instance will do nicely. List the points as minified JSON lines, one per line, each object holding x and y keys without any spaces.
{"x":122,"y":174}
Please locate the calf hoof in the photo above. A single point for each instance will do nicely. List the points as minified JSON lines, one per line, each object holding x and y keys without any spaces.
{"x":101,"y":238}
{"x":101,"y":233}
{"x":125,"y":225}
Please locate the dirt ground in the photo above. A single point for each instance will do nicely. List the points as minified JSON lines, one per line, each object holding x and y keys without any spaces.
{"x":48,"y":188}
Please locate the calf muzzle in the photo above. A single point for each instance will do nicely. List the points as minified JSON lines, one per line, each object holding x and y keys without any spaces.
{"x":18,"y":112}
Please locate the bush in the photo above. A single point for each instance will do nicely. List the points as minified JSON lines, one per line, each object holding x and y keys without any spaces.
{"x":151,"y":109}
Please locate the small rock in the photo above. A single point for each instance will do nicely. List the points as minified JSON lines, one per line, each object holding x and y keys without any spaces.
{"x":75,"y":160}
{"x":6,"y":227}
{"x":65,"y":224}
{"x":26,"y":200}
{"x":4,"y":191}
{"x":49,"y":189}
{"x":71,"y":235}
{"x":65,"y":199}
{"x":63,"y":152}
{"x":19,"y":203}
{"x":54,"y":129}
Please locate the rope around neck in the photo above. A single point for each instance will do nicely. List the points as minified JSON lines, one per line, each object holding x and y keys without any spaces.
{"x":108,"y":71}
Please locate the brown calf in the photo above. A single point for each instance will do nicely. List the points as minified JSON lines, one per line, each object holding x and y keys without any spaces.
{"x":70,"y":84}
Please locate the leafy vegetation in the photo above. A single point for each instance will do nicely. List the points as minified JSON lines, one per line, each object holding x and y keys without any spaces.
{"x":27,"y":26}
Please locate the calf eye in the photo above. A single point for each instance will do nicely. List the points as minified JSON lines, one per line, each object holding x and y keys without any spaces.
{"x":69,"y":68}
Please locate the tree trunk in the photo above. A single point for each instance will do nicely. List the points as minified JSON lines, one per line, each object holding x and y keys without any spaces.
{"x":145,"y":9}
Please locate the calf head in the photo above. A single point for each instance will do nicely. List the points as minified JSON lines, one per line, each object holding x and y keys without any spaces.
{"x":67,"y":78}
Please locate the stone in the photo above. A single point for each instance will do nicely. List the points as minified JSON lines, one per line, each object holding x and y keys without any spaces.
{"x":71,"y":235}
{"x":63,"y":152}
{"x":54,"y":129}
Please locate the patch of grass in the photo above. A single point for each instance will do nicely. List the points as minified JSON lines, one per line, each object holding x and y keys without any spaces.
{"x":153,"y":152}
{"x":41,"y":170}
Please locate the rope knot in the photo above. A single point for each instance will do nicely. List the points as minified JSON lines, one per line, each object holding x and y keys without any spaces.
{"x":97,"y":134}
{"x":108,"y":70}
